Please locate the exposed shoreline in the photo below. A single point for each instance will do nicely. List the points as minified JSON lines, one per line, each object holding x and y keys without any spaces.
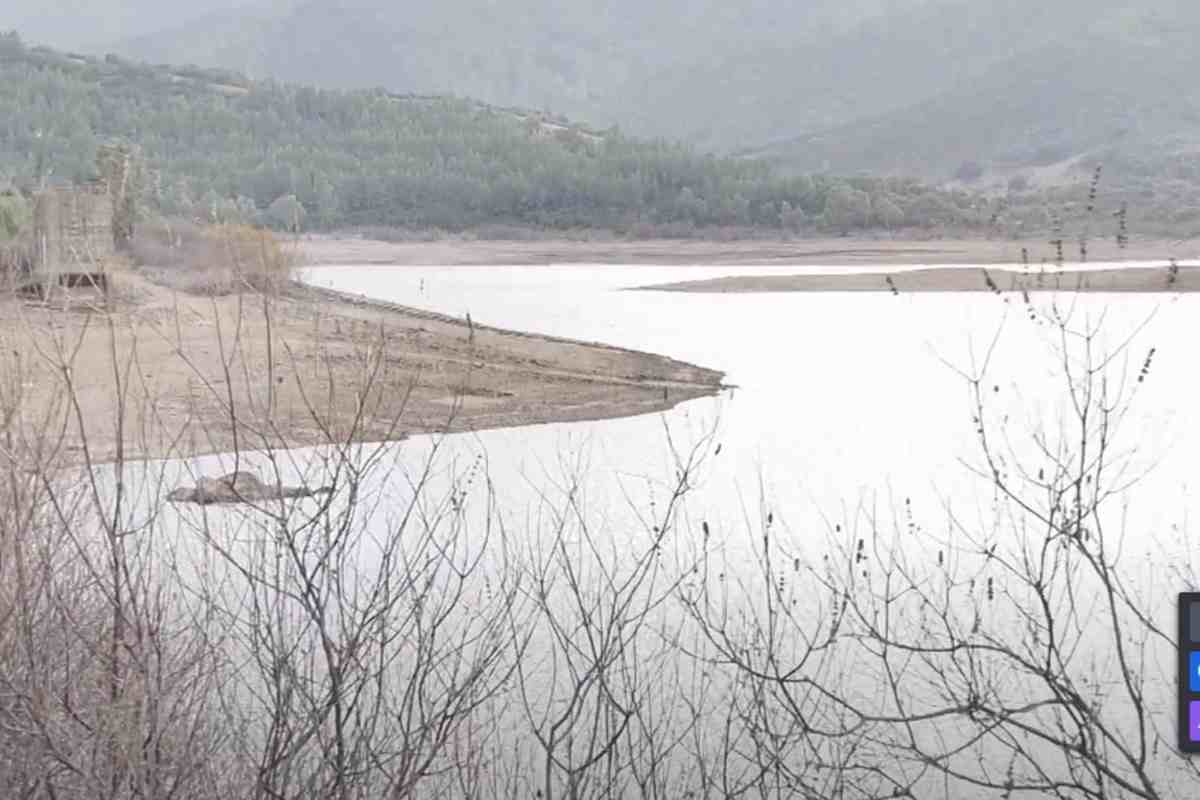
{"x":306,"y":367}
{"x":310,"y":366}
{"x":335,"y":250}
{"x":954,"y":279}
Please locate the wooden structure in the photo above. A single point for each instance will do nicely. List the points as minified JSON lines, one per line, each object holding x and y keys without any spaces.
{"x":73,"y":239}
{"x":79,"y":231}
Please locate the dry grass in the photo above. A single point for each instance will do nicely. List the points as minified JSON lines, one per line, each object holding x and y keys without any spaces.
{"x":15,"y":261}
{"x":15,"y":250}
{"x":213,"y":260}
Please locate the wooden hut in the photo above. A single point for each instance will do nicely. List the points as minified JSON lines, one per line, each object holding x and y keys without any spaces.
{"x":72,"y":234}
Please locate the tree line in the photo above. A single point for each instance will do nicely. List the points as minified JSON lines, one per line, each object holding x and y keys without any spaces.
{"x":218,"y":147}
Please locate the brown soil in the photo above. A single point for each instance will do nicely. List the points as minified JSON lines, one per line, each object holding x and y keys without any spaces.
{"x":331,"y":250}
{"x":957,"y":279}
{"x":302,"y":368}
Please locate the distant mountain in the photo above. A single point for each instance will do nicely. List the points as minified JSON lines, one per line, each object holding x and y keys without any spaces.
{"x":217,"y":146}
{"x":921,"y":87}
{"x":1121,"y":92}
{"x":596,"y":61}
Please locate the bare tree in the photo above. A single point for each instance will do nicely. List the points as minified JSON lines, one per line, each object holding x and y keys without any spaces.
{"x":107,"y":679}
{"x":396,"y":635}
{"x":1018,"y":653}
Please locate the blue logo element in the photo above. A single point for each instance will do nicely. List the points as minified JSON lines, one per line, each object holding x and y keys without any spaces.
{"x":1194,"y":672}
{"x":1194,"y":722}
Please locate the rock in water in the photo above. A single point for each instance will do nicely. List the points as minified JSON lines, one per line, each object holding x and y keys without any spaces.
{"x":239,"y":487}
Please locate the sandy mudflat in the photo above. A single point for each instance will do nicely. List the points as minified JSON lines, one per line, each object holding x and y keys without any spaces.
{"x":332,"y":250}
{"x":156,"y":373}
{"x":957,"y":279}
{"x":303,"y":368}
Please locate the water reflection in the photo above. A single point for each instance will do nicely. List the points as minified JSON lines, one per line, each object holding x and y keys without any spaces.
{"x":839,"y":396}
{"x":854,"y":421}
{"x":832,"y":516}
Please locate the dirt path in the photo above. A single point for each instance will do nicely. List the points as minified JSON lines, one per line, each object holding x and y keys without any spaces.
{"x":303,"y":368}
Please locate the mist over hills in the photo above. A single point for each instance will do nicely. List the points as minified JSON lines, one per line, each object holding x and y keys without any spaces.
{"x":100,"y":24}
{"x":582,"y":59}
{"x":914,"y":87}
{"x":218,"y":147}
{"x":1119,"y":91}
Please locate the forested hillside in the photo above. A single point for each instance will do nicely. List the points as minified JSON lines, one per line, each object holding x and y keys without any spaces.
{"x":843,"y":86}
{"x":217,"y":145}
{"x":592,"y":60}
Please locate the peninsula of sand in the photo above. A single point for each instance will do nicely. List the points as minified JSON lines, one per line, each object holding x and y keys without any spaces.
{"x":156,"y":373}
{"x":830,"y":252}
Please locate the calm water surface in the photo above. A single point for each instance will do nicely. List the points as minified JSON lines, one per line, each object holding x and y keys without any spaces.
{"x":841,"y":401}
{"x":839,"y":396}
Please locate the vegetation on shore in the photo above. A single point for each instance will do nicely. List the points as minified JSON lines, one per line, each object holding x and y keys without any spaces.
{"x":220,"y":148}
{"x":408,"y":634}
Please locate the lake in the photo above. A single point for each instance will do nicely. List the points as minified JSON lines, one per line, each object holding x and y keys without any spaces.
{"x":839,"y":473}
{"x":838,"y":396}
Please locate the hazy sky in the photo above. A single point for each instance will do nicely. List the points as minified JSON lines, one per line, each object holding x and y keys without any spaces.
{"x":78,"y":23}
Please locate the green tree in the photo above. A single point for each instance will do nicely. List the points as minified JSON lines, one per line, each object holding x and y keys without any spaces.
{"x":14,"y":215}
{"x":247,"y":211}
{"x":791,"y":218}
{"x":287,"y":213}
{"x":887,"y":212}
{"x":848,"y":208}
{"x":212,"y":207}
{"x":370,"y":158}
{"x":691,"y":207}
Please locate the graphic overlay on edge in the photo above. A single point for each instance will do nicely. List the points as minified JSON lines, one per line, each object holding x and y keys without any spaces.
{"x":1188,"y":688}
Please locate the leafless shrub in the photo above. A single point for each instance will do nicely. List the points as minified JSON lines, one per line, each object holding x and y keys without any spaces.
{"x":213,"y":260}
{"x":1016,"y":654}
{"x":16,"y":263}
{"x":396,"y":638}
{"x":599,"y":691}
{"x":107,"y":680}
